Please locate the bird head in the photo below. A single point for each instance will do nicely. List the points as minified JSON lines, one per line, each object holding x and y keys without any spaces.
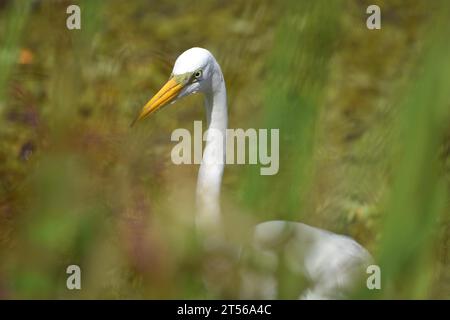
{"x":193,"y":72}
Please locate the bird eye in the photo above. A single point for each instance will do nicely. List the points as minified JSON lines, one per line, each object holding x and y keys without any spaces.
{"x":198,"y":74}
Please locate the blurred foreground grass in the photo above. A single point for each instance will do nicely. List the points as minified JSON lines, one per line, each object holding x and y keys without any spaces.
{"x":364,"y":130}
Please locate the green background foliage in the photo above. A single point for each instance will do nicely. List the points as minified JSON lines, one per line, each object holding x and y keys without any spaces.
{"x":364,"y":140}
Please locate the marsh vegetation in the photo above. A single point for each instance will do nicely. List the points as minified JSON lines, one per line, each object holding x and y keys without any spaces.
{"x":364,"y":140}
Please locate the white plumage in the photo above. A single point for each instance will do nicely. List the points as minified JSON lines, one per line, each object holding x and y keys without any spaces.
{"x":332,"y":263}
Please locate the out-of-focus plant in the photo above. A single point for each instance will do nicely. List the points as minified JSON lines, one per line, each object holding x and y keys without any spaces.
{"x":419,"y":197}
{"x":296,"y":75}
{"x":15,"y":21}
{"x":77,"y":186}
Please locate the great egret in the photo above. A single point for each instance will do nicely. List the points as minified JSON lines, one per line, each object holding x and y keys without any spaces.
{"x":331,"y":262}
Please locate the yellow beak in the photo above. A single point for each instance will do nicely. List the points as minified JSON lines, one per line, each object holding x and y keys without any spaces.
{"x":164,"y":96}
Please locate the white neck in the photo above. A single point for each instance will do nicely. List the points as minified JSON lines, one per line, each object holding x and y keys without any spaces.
{"x":209,"y":181}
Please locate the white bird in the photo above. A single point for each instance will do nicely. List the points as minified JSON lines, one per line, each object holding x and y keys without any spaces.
{"x":332,"y":263}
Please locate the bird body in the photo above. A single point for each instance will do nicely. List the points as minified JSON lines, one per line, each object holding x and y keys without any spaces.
{"x":331,"y":262}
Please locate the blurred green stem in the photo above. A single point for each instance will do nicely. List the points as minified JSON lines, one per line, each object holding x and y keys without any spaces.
{"x":16,"y":18}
